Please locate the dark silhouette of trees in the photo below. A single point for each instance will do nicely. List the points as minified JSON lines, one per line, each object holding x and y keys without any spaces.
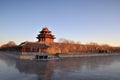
{"x":9,"y":44}
{"x":70,"y":47}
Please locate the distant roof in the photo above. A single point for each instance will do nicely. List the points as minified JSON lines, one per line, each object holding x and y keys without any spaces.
{"x":45,"y":29}
{"x":34,"y":44}
{"x":45,"y":33}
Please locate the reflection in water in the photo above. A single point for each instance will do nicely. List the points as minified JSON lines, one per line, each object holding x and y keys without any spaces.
{"x":86,"y":68}
{"x":40,"y":68}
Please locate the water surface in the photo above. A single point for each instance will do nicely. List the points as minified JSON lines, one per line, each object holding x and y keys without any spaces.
{"x":85,"y":68}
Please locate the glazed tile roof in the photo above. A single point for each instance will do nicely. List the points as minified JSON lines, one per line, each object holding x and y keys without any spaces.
{"x":34,"y":44}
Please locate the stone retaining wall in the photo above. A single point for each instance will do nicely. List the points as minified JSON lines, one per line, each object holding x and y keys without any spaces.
{"x":86,"y":55}
{"x":31,"y":56}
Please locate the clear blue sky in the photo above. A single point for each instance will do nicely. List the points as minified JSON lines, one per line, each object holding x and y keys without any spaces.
{"x":79,"y":20}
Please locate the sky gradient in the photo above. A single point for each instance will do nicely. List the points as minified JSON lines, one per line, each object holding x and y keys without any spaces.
{"x":78,"y":20}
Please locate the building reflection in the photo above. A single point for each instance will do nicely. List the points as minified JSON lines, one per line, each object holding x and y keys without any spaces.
{"x":40,"y":68}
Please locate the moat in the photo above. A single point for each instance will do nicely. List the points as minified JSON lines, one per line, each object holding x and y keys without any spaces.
{"x":82,"y":68}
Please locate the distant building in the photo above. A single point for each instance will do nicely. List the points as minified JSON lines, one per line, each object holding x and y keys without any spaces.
{"x":45,"y":36}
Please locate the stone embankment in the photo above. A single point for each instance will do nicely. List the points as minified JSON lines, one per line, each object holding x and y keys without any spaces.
{"x":32,"y":56}
{"x":18,"y":55}
{"x":11,"y":54}
{"x":87,"y":55}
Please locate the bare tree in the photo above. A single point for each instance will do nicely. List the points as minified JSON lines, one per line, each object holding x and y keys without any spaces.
{"x":9,"y":44}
